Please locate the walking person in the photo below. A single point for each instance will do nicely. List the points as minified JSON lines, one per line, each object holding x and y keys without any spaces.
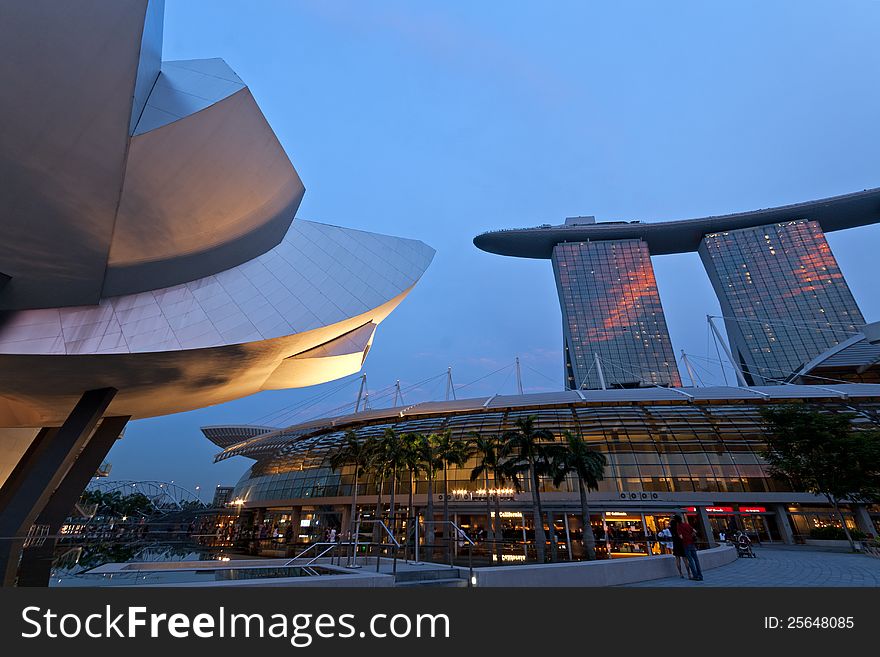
{"x":678,"y":548}
{"x":688,"y":539}
{"x":665,"y":537}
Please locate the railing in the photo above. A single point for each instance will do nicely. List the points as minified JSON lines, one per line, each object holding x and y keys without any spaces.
{"x":387,"y":541}
{"x":36,"y":536}
{"x":871,"y":548}
{"x":388,"y":532}
{"x":459,"y":534}
{"x":330,"y":547}
{"x":351,"y":550}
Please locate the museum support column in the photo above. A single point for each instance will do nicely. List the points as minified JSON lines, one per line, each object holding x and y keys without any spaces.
{"x":36,"y":561}
{"x":705,"y":526}
{"x":863,"y":519}
{"x":40,"y":471}
{"x":784,"y":524}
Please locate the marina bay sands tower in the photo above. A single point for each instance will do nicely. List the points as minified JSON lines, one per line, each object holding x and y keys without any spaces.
{"x":781,"y":291}
{"x":614,"y":326}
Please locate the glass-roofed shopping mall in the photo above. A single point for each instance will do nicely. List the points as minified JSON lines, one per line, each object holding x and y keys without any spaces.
{"x":669,"y":450}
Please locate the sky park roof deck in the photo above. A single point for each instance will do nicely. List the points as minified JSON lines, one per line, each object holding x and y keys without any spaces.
{"x":682,"y":235}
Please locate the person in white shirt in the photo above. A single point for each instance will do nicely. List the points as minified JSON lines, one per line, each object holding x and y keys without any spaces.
{"x":665,"y":536}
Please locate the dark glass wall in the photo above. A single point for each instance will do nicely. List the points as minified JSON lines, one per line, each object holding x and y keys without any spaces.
{"x":783,"y":296}
{"x":611,"y":307}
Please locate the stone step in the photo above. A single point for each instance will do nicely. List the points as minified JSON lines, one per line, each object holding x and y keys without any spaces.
{"x":448,"y":583}
{"x":426,"y":575}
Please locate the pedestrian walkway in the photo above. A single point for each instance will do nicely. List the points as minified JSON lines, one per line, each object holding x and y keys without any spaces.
{"x":794,"y":566}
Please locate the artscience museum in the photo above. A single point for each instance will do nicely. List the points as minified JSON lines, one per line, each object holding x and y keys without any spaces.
{"x":150,"y":259}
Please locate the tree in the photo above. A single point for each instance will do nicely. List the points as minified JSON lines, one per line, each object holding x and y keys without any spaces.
{"x":392,"y":452}
{"x":386,"y":455}
{"x":356,"y":453}
{"x":449,"y":451}
{"x":413,"y":464}
{"x":487,"y":450}
{"x":823,"y":453}
{"x":378,"y":469}
{"x":431,"y":462}
{"x":527,"y":446}
{"x":136,"y":504}
{"x":502,"y":473}
{"x":577,"y":458}
{"x":117,"y":505}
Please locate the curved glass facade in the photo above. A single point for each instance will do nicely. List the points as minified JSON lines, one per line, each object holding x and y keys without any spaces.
{"x":655,"y":447}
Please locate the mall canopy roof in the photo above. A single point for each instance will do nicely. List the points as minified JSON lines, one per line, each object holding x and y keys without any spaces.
{"x":854,"y":356}
{"x":325,"y":433}
{"x":224,"y":436}
{"x":683,"y":235}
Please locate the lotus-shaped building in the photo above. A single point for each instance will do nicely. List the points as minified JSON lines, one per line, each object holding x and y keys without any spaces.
{"x":150,"y":262}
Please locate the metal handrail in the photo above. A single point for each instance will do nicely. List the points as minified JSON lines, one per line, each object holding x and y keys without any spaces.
{"x":300,"y":555}
{"x":378,"y":552}
{"x":318,"y":556}
{"x":387,"y":531}
{"x":463,"y":534}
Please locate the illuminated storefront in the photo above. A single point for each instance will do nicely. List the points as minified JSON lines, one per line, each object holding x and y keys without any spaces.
{"x":693,"y":451}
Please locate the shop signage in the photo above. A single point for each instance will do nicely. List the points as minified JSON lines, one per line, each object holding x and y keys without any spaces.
{"x":728,"y":509}
{"x":464,"y":495}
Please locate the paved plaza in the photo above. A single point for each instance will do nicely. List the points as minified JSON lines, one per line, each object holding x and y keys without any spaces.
{"x":792,"y":566}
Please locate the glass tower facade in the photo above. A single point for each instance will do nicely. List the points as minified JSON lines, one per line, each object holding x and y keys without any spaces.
{"x":611,"y":308}
{"x":783,"y":296}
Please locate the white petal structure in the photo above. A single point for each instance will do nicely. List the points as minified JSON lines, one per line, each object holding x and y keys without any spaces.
{"x":149,"y":258}
{"x":149,"y":241}
{"x":120,"y":173}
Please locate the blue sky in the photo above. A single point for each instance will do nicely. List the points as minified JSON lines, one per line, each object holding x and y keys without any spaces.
{"x":438,"y":120}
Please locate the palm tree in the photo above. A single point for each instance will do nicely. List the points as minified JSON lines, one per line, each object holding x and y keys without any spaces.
{"x":527,"y":445}
{"x":412,"y":462}
{"x":427,"y":451}
{"x":357,"y":453}
{"x":501,"y":475}
{"x":411,"y":465}
{"x":450,"y":452}
{"x":391,"y":452}
{"x":588,"y":466}
{"x":488,"y":452}
{"x":510,"y":472}
{"x":378,"y":469}
{"x":394,"y":455}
